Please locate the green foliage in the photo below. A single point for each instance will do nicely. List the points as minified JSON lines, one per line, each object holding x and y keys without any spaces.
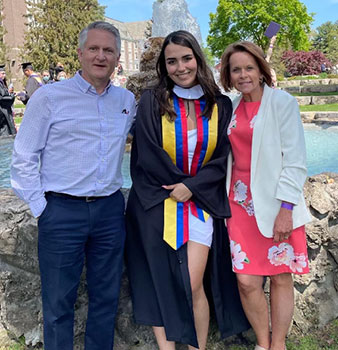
{"x":325,"y":40}
{"x":53,"y":28}
{"x":208,"y":56}
{"x":248,"y":19}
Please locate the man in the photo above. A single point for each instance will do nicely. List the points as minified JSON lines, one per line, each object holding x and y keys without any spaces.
{"x":33,"y":82}
{"x":7,"y":97}
{"x":67,"y":165}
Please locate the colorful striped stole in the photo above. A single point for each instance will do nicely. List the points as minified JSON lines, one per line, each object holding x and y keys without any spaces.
{"x":175,"y":143}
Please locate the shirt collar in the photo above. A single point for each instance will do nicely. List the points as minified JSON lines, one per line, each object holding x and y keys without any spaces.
{"x":85,"y":86}
{"x":192,"y":93}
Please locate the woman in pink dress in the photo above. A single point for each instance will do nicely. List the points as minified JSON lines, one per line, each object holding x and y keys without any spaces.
{"x":268,"y":163}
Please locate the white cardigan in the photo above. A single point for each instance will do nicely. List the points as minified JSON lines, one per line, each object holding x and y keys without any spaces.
{"x":278,"y":160}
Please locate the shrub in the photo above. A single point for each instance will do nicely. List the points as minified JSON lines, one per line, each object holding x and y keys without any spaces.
{"x":323,"y":75}
{"x":304,"y":63}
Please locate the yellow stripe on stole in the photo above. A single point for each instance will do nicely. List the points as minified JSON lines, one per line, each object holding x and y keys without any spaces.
{"x":169,"y":137}
{"x":213,"y":133}
{"x":170,"y":222}
{"x":170,"y":206}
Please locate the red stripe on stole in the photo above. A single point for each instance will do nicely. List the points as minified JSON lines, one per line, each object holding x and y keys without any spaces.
{"x":199,"y":144}
{"x":184,"y":126}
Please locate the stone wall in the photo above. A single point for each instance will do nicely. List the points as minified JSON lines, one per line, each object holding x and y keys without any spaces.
{"x":307,"y":82}
{"x":20,"y":305}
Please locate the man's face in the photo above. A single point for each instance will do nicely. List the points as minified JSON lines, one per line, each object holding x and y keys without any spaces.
{"x":99,"y":57}
{"x":2,"y":75}
{"x":27,"y":72}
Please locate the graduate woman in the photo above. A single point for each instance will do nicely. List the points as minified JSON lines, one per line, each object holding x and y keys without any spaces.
{"x":266,"y":192}
{"x":178,"y":200}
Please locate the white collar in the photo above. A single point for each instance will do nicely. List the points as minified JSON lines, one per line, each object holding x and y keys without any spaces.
{"x":192,"y":93}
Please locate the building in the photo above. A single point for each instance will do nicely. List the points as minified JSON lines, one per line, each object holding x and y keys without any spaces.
{"x":14,"y":22}
{"x":133,"y":36}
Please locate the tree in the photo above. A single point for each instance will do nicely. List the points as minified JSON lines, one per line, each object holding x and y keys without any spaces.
{"x":3,"y":46}
{"x":208,"y":56}
{"x":248,"y":19}
{"x":53,"y":28}
{"x":325,"y":40}
{"x":304,"y":63}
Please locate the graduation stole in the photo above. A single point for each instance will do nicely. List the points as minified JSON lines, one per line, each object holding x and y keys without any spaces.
{"x":37,"y":78}
{"x":175,"y":143}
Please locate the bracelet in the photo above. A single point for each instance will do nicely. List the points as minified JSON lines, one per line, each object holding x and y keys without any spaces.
{"x":288,"y":206}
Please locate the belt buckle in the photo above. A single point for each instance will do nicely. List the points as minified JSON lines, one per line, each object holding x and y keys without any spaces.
{"x":90,"y":199}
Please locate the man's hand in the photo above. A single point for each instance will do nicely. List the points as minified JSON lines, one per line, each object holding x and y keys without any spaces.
{"x":179,"y":193}
{"x":283,"y":225}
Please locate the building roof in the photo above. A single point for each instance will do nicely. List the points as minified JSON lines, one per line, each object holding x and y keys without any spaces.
{"x":130,"y":30}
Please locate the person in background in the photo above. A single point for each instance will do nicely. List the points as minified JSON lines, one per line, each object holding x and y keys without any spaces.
{"x":33,"y":82}
{"x":7,"y":97}
{"x":46,"y":78}
{"x":177,"y":203}
{"x":273,"y":78}
{"x":265,"y":179}
{"x":61,"y":76}
{"x":66,"y":165}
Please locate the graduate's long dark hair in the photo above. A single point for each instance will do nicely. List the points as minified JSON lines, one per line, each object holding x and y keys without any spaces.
{"x":204,"y":76}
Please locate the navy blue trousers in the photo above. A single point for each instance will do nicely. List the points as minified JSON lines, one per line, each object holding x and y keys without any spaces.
{"x":73,"y":233}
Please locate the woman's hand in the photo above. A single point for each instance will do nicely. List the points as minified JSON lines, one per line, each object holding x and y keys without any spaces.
{"x":179,"y":193}
{"x":283,"y":225}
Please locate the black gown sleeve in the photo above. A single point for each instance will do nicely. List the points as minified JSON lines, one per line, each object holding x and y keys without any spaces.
{"x":151,"y":166}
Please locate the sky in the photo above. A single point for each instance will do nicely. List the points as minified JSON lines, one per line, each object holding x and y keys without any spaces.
{"x":140,"y":10}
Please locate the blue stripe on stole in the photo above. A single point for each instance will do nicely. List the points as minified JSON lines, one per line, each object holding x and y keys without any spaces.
{"x":178,"y":132}
{"x":179,"y":224}
{"x":200,"y":213}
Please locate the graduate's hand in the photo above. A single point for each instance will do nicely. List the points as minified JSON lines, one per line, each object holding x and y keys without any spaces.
{"x":179,"y":193}
{"x":283,"y":225}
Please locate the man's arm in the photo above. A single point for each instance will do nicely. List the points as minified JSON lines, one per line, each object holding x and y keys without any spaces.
{"x":29,"y":143}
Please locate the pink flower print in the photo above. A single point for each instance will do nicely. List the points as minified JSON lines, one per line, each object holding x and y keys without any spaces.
{"x":298,"y":263}
{"x":240,"y":189}
{"x":232,"y":124}
{"x":253,"y":121}
{"x":250,"y":208}
{"x":238,"y":256}
{"x":283,"y":254}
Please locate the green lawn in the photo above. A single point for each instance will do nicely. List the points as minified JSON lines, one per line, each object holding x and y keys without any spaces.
{"x":19,"y":105}
{"x":325,"y":339}
{"x":320,"y":108}
{"x":333,"y":93}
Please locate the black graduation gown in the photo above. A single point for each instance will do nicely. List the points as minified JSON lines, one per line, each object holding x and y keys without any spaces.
{"x":6,"y":115}
{"x":159,"y":277}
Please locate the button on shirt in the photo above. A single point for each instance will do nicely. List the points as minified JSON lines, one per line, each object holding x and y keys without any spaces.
{"x":72,"y":141}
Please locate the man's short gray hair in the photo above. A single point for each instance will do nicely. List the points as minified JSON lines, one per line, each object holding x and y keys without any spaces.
{"x":102,"y":26}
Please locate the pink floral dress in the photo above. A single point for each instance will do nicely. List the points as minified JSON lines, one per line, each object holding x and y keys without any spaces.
{"x":252,"y":253}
